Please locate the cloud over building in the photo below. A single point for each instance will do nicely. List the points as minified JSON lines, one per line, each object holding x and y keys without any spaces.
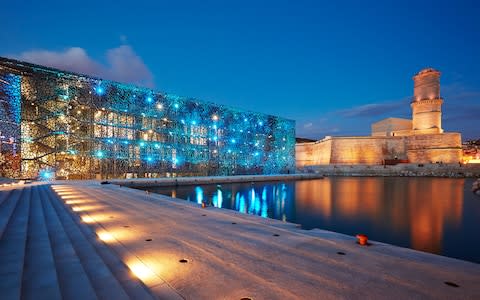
{"x":122,"y":63}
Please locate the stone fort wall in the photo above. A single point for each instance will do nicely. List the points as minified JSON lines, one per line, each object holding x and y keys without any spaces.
{"x":373,"y":150}
{"x":313,"y":154}
{"x":427,"y":148}
{"x":366,"y":150}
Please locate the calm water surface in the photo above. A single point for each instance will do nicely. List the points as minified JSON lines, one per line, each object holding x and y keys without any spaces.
{"x":437,"y":215}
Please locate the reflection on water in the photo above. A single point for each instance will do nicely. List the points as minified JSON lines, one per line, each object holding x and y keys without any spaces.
{"x":413,"y":211}
{"x":268,"y":200}
{"x":438,"y":215}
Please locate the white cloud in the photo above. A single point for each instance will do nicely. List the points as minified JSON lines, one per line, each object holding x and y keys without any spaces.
{"x":123,"y":64}
{"x":127,"y":66}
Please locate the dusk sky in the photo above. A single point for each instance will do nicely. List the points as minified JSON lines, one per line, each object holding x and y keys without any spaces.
{"x":334,"y":67}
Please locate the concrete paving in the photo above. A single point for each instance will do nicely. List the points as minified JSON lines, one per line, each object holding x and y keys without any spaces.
{"x":180,"y":250}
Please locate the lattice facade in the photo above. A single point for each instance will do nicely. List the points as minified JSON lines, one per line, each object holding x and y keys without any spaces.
{"x":80,"y":127}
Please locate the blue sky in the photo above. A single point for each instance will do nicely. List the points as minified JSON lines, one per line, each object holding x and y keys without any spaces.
{"x":334,"y":67}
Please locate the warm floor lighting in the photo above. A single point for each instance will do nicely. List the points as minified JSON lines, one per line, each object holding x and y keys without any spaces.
{"x":70,"y":202}
{"x":86,"y":207}
{"x":105,"y":236}
{"x":70,"y":196}
{"x":67,"y":194}
{"x":87,"y":219}
{"x":59,"y":187}
{"x":140,"y":270}
{"x":98,"y":217}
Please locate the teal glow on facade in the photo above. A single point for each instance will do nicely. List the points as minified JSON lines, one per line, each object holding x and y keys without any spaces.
{"x":83,"y":127}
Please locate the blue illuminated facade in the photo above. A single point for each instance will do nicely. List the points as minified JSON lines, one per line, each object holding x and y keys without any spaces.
{"x":81,"y":127}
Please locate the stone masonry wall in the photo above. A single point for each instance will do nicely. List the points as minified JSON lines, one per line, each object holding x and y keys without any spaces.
{"x":367,"y":150}
{"x":350,"y":150}
{"x":428,"y":148}
{"x":427,"y":116}
{"x":311,"y":154}
{"x":431,"y":148}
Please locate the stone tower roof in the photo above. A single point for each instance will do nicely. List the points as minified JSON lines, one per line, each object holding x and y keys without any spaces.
{"x":427,"y":71}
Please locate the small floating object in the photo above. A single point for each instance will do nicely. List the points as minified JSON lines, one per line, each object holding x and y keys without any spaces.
{"x":147,"y":192}
{"x":362,"y":239}
{"x":204,"y":205}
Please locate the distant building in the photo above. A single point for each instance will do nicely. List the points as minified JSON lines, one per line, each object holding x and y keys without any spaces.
{"x":420,"y":140}
{"x":64,"y":125}
{"x":471,"y":151}
{"x":392,"y":127}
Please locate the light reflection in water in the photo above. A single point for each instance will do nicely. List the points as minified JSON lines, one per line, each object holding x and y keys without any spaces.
{"x":252,"y":201}
{"x":242,"y":206}
{"x":199,"y":194}
{"x":438,"y":215}
{"x":265,"y":200}
{"x":218,"y":197}
{"x":264,"y":212}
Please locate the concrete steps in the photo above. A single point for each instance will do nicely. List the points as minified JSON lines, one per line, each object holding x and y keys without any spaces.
{"x":105,"y":284}
{"x":46,"y":252}
{"x":4,"y":195}
{"x":40,"y":279}
{"x":133,"y":287}
{"x":74,"y":282}
{"x":12,"y":247}
{"x":7,"y":205}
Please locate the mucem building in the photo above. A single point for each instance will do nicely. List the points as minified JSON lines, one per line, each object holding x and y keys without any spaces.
{"x":70,"y":126}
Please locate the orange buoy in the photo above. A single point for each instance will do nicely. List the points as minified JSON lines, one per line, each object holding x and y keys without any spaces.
{"x":204,"y":205}
{"x":362,"y":239}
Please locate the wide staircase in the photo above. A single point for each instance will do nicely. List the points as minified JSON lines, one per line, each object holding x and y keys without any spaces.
{"x":46,"y":252}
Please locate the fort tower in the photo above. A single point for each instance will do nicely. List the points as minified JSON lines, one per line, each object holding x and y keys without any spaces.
{"x":427,"y":103}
